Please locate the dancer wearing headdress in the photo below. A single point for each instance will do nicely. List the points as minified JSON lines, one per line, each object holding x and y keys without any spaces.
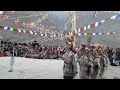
{"x":85,"y":62}
{"x":70,"y":63}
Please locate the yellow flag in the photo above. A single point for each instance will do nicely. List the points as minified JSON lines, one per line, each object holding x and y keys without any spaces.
{"x":100,"y":33}
{"x":79,"y":30}
{"x":24,"y":31}
{"x":85,"y":34}
{"x":88,"y":26}
{"x":35,"y":33}
{"x":11,"y":29}
{"x":103,"y":21}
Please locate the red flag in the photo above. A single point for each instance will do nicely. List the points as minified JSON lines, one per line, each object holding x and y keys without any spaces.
{"x":17,"y":30}
{"x":3,"y":27}
{"x":93,"y":24}
{"x":82,"y":28}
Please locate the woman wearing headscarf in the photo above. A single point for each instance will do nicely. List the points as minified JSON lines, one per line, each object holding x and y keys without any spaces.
{"x":70,"y":63}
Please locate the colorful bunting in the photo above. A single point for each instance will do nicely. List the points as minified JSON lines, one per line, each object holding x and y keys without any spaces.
{"x":115,"y":17}
{"x":11,"y":29}
{"x":61,"y":35}
{"x":85,"y":34}
{"x":79,"y":30}
{"x":88,"y":27}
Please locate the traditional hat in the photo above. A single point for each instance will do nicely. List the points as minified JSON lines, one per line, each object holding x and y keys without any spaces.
{"x":83,"y":44}
{"x":93,"y":45}
{"x":70,"y":40}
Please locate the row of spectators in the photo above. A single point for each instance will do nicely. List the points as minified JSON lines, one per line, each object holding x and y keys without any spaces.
{"x":114,"y":56}
{"x":31,"y":50}
{"x":35,"y":50}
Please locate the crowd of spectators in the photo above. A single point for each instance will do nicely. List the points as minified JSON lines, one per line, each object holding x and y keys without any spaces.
{"x":114,"y":56}
{"x":31,"y":50}
{"x":35,"y":50}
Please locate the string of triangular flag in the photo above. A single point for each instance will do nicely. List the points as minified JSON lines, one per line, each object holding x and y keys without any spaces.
{"x":43,"y":34}
{"x":30,"y":25}
{"x":60,"y":35}
{"x":51,"y":35}
{"x":95,"y":13}
{"x":5,"y":13}
{"x":96,"y":24}
{"x":94,"y":34}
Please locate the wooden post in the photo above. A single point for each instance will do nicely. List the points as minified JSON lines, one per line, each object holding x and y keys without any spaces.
{"x":74,"y":26}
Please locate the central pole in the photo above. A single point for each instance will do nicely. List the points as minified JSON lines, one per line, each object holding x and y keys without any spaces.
{"x":74,"y":26}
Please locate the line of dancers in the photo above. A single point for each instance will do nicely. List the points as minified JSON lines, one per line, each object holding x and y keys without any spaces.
{"x":92,"y":59}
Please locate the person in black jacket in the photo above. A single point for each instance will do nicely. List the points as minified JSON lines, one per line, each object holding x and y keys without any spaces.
{"x":110,"y":54}
{"x":118,"y":54}
{"x":34,"y":44}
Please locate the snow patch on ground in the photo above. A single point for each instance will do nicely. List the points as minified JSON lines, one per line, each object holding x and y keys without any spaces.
{"x":25,"y":68}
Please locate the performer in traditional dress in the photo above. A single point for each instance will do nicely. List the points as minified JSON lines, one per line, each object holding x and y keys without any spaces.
{"x":95,"y":63}
{"x":85,"y":63}
{"x":70,"y":63}
{"x":103,"y":62}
